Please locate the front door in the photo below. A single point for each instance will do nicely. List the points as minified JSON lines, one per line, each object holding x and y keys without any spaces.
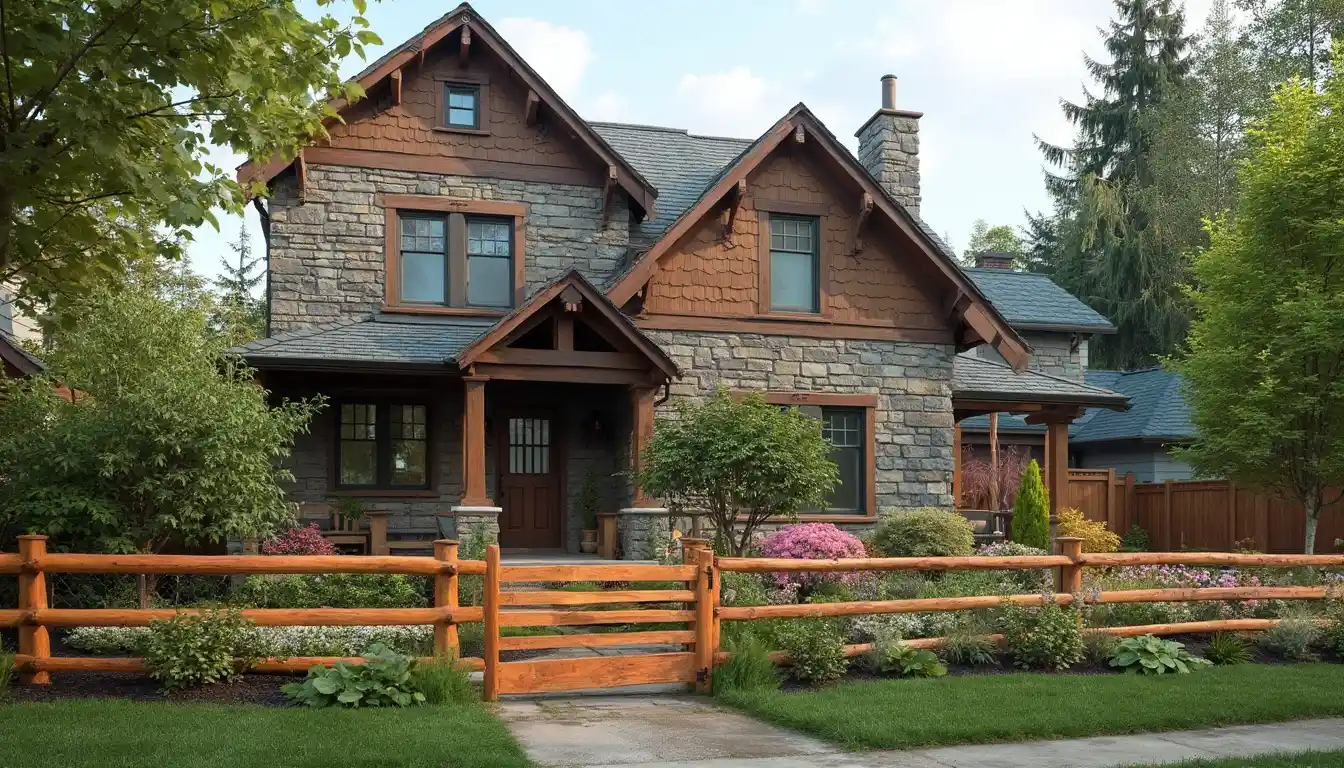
{"x":529,"y":484}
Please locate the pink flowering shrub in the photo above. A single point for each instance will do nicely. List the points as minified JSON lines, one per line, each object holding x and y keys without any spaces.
{"x":307,"y":540}
{"x":812,"y":541}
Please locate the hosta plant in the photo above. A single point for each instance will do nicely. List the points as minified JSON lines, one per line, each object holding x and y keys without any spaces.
{"x":1152,"y":655}
{"x":909,"y":662}
{"x":384,"y":680}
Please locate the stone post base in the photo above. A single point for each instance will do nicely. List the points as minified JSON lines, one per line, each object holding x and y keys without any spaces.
{"x":640,"y":529}
{"x":473,"y":521}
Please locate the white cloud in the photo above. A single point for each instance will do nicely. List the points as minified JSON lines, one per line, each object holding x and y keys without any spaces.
{"x":559,"y":54}
{"x":735,"y":102}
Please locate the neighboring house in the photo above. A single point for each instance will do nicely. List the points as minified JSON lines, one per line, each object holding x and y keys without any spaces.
{"x":1140,"y":439}
{"x":15,"y":361}
{"x":497,"y":297}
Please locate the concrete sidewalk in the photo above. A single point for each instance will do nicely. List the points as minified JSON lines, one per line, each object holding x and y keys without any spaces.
{"x":688,"y":732}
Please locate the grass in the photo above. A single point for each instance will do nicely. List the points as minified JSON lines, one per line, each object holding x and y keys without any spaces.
{"x":895,"y":714}
{"x":112,"y":734}
{"x":1294,"y":760}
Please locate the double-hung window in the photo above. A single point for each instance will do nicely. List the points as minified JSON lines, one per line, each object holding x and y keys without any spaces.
{"x":462,"y":105}
{"x":843,"y":428}
{"x":455,"y":260}
{"x":383,"y":445}
{"x":794,"y":264}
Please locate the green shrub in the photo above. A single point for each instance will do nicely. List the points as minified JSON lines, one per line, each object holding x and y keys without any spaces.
{"x":742,"y":589}
{"x":383,"y":680}
{"x":1031,"y":510}
{"x":6,"y":671}
{"x":337,"y":590}
{"x":1044,"y":637}
{"x":1136,"y":540}
{"x":1226,"y":649}
{"x":925,"y":533}
{"x":1098,"y":647}
{"x":901,"y":659}
{"x":190,"y":650}
{"x":444,"y":681}
{"x":967,"y":644}
{"x":748,"y":668}
{"x":1294,"y":638}
{"x":471,"y":589}
{"x":816,"y":648}
{"x":1152,"y":655}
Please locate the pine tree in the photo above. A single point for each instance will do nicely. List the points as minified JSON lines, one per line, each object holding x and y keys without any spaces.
{"x":241,"y":314}
{"x":1031,"y":510}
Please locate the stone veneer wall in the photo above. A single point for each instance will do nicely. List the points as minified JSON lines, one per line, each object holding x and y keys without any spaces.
{"x":1050,"y":353}
{"x":327,"y":259}
{"x":913,"y":420}
{"x":889,"y":149}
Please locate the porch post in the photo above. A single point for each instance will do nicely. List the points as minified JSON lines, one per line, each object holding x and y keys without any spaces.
{"x":956,"y":467}
{"x":641,"y":399}
{"x":635,"y":527}
{"x":473,"y":443}
{"x":1057,"y":464}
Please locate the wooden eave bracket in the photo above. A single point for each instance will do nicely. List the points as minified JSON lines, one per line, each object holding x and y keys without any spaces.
{"x":799,"y":134}
{"x":1055,"y":414}
{"x":301,"y":172}
{"x":865,"y":210}
{"x":735,"y":199}
{"x":608,"y":192}
{"x":396,"y":88}
{"x":533,"y":102}
{"x":572,"y":299}
{"x":464,"y":48}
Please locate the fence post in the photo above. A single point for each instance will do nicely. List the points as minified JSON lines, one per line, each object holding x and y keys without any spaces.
{"x":491,"y":622}
{"x":1231,"y":515}
{"x":34,"y":640}
{"x":1070,"y":576}
{"x":1111,"y":523}
{"x":378,"y":532}
{"x":704,"y":619}
{"x":1168,"y":533}
{"x":1131,"y":504}
{"x":445,"y":596}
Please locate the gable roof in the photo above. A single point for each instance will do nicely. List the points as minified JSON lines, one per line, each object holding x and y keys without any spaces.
{"x":634,"y":183}
{"x":979,"y":313}
{"x":12,"y":352}
{"x":1033,"y":302}
{"x":1159,"y":410}
{"x":974,"y":378}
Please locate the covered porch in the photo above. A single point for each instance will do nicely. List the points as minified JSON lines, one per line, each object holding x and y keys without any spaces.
{"x":523,"y":427}
{"x":984,"y":387}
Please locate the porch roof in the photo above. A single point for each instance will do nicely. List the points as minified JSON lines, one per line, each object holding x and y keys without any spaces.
{"x":983,"y":386}
{"x":377,"y":340}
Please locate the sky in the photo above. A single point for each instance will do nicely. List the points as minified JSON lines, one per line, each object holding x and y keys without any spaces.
{"x":986,"y":74}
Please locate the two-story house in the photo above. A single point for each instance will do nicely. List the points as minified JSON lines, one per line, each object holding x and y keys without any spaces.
{"x":498,"y":296}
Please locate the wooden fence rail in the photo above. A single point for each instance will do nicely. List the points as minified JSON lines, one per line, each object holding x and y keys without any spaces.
{"x":691,"y":603}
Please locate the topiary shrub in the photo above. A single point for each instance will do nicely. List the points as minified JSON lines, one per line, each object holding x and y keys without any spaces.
{"x":812,"y":541}
{"x":1031,"y":510}
{"x":1094,"y":533}
{"x":925,"y":533}
{"x":302,"y":540}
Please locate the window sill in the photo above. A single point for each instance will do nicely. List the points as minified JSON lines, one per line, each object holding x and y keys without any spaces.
{"x":396,"y":493}
{"x":456,"y":129}
{"x":411,"y":309}
{"x":806,"y":317}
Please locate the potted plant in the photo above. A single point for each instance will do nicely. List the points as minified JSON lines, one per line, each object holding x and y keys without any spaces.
{"x":587,"y":503}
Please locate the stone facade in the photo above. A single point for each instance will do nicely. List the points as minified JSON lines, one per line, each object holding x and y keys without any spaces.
{"x":889,"y":150}
{"x":327,"y":253}
{"x":1052,"y":353}
{"x":913,"y":420}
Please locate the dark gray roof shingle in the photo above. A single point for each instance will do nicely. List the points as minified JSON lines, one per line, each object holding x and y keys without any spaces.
{"x":23,"y":358}
{"x":1158,"y":408}
{"x":1029,"y":300}
{"x":986,"y":379}
{"x":376,"y":339}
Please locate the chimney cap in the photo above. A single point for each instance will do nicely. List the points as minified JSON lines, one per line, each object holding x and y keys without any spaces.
{"x":888,"y":76}
{"x":994,"y":260}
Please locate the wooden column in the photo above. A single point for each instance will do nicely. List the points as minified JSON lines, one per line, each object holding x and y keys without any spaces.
{"x":994,"y":489}
{"x":445,"y":596}
{"x":956,"y":466}
{"x":378,"y":532}
{"x":1057,"y":464}
{"x":641,"y":400}
{"x":473,"y":443}
{"x":34,"y":640}
{"x":491,"y":618}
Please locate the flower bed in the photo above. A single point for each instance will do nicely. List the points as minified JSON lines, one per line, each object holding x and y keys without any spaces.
{"x":274,"y":641}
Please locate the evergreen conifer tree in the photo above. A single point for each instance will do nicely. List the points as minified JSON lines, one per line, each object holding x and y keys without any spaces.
{"x":1031,"y":510}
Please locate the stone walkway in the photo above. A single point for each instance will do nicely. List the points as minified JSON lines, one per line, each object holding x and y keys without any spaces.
{"x":670,"y":731}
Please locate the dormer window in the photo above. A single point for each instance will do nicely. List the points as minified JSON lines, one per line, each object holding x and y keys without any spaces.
{"x":462,"y":105}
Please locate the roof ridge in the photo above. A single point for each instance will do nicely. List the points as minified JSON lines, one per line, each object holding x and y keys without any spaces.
{"x":667,"y":129}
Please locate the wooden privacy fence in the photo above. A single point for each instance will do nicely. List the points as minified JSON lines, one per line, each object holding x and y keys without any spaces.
{"x":1199,"y":514}
{"x":692,"y":604}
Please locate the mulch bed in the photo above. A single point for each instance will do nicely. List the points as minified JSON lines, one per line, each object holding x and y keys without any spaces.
{"x":249,"y":689}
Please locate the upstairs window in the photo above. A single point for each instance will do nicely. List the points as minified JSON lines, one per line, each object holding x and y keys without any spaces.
{"x":454,"y":260}
{"x":794,"y":264}
{"x":489,"y":262}
{"x":462,"y":106}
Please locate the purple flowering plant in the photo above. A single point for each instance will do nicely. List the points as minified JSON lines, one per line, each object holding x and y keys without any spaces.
{"x":812,"y":541}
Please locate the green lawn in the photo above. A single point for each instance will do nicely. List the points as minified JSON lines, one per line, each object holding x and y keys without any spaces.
{"x":1300,"y":760}
{"x":895,"y":714}
{"x":109,"y":734}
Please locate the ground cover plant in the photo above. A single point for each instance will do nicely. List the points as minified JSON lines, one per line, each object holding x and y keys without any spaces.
{"x":1151,"y":655}
{"x":899,"y":714}
{"x":385,"y":679}
{"x":129,"y":734}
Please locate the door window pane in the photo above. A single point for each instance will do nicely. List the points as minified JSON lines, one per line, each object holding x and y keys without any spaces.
{"x":529,"y":446}
{"x":793,"y":264}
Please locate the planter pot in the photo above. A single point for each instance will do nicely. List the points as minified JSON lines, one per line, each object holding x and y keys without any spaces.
{"x":588,"y":545}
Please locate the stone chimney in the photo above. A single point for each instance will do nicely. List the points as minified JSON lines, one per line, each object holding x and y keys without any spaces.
{"x":994,"y":260}
{"x":889,"y":148}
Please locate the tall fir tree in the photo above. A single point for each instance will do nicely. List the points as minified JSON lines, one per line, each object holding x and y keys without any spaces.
{"x":1112,"y":251}
{"x":241,"y":314}
{"x":1292,"y":38}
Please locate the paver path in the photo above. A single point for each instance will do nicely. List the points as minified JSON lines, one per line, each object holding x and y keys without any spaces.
{"x":687,"y":732}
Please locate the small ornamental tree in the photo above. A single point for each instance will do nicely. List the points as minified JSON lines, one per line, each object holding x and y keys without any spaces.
{"x":740,"y":461}
{"x":1264,"y":371}
{"x":166,"y":439}
{"x":1031,"y":510}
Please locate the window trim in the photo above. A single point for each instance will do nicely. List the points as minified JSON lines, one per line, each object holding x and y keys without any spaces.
{"x":455,"y":211}
{"x":868,"y":403}
{"x":383,"y":449}
{"x":818,"y":213}
{"x":482,"y":88}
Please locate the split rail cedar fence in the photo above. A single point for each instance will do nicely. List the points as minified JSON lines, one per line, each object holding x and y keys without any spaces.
{"x":694,"y":600}
{"x":1199,"y":514}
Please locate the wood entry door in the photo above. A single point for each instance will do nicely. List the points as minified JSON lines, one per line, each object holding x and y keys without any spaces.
{"x":530,"y":484}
